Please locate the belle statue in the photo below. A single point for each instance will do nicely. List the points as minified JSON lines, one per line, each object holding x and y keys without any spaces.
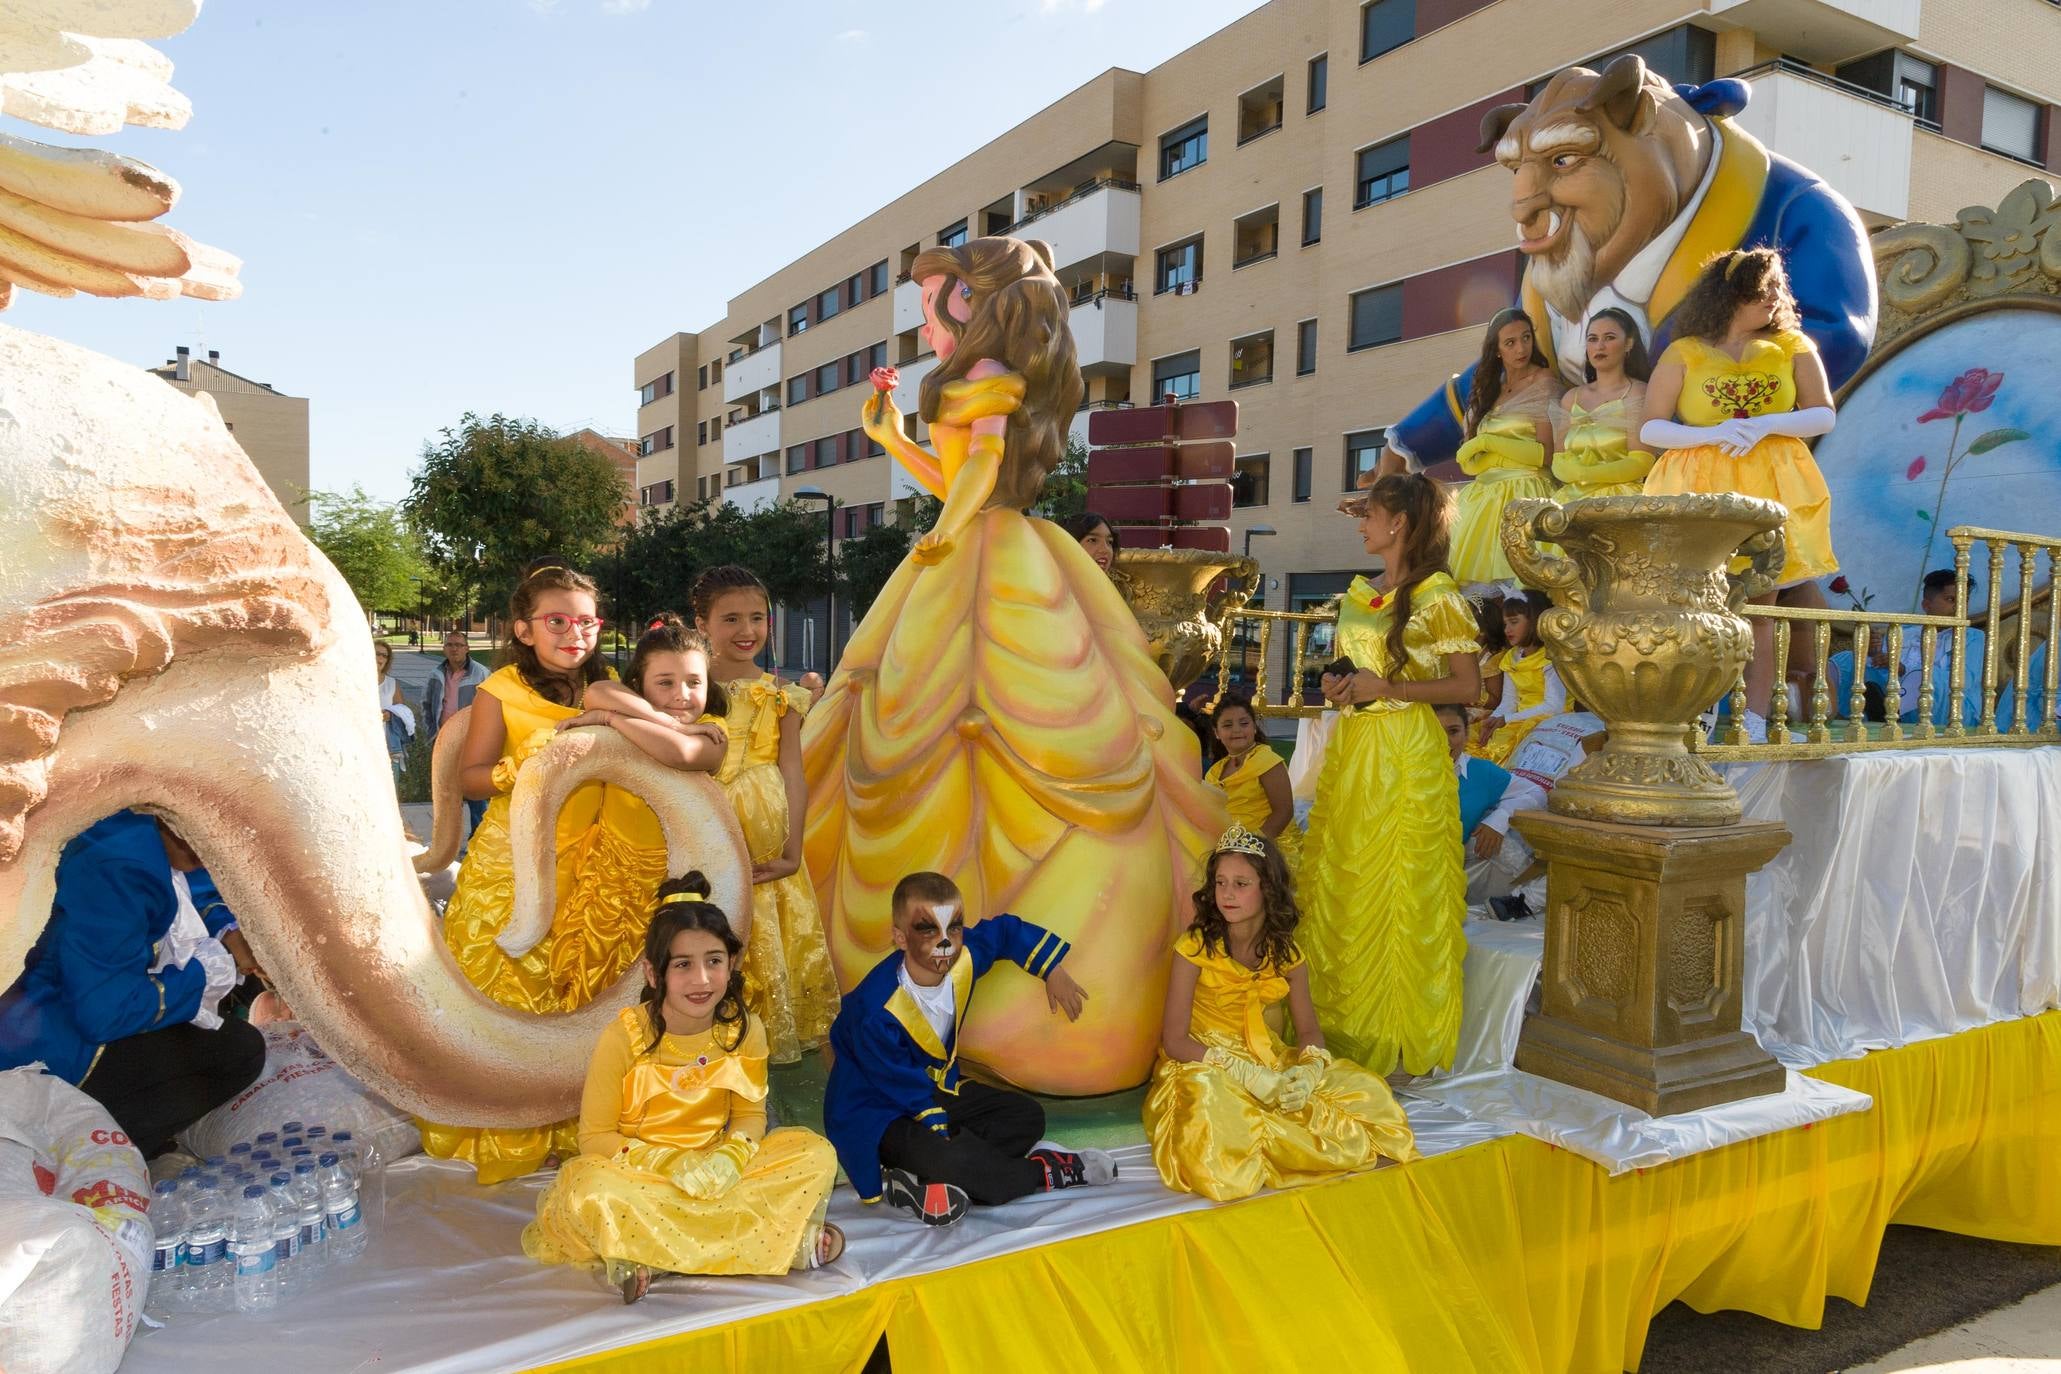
{"x":997,"y":717}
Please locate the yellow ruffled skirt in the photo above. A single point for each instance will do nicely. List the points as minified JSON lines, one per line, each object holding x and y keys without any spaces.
{"x":1477,"y":552}
{"x":1383,"y":892}
{"x":1211,"y":1138}
{"x":788,"y":980}
{"x":1778,"y":468}
{"x":599,"y":1208}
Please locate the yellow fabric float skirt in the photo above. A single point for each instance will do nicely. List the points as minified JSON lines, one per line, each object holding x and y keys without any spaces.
{"x":788,"y":980}
{"x":1477,"y":554}
{"x":1778,"y":469}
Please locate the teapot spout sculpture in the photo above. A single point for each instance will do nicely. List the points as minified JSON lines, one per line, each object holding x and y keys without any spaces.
{"x":1646,"y":632}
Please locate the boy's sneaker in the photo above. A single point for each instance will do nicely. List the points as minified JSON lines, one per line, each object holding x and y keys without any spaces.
{"x":933,"y":1204}
{"x":1073,"y":1168}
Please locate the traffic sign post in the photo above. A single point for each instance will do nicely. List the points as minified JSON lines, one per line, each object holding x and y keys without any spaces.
{"x":1161,"y":474}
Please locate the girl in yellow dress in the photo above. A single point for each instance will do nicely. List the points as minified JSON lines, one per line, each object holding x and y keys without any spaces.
{"x":1254,"y":778}
{"x":667,"y":706}
{"x":788,"y":983}
{"x":1233,"y":1108}
{"x":1532,"y":690}
{"x":676,"y":1172}
{"x":1509,"y":438}
{"x":1383,"y":886}
{"x":998,"y":718}
{"x":1732,"y":399}
{"x":1594,"y":425}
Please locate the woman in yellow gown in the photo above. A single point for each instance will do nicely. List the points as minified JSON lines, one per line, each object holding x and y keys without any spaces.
{"x":1509,"y":438}
{"x":788,"y":981}
{"x":1532,"y":690}
{"x":676,"y":1171}
{"x":1383,"y":885}
{"x":1732,"y":400}
{"x":1233,"y":1108}
{"x":1595,"y":425}
{"x":997,"y":717}
{"x":1254,"y":779}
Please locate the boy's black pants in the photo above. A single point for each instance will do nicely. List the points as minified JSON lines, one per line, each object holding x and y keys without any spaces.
{"x":988,"y":1132}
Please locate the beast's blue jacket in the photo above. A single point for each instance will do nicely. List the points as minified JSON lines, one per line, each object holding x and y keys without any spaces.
{"x":888,"y":1061}
{"x":1757,"y":199}
{"x":87,"y":981}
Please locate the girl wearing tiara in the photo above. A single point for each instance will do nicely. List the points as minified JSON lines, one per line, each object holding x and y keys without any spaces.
{"x":1233,"y":1107}
{"x":676,"y":1171}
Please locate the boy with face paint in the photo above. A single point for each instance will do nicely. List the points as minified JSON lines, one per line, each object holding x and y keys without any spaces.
{"x":906,"y":1126}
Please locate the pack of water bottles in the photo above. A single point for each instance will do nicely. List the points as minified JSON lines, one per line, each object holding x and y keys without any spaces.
{"x":262,"y":1224}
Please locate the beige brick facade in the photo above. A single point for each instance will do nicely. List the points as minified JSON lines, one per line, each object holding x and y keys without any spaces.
{"x":271,"y":426}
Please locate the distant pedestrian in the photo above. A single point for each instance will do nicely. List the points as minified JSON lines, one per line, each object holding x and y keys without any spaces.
{"x":452,"y":684}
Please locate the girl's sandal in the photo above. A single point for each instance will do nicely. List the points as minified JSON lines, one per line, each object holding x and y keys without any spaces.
{"x":634,"y":1280}
{"x":831,"y":1239}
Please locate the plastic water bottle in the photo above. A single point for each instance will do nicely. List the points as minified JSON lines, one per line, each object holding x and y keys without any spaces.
{"x":251,"y":1246}
{"x":292,"y":1142}
{"x":239,"y":1151}
{"x":265,"y":1140}
{"x":307,"y":1201}
{"x":316,"y":1138}
{"x":206,"y":1256}
{"x":168,"y":1227}
{"x":340,"y":1211}
{"x":364,"y":1163}
{"x":286,"y":1233}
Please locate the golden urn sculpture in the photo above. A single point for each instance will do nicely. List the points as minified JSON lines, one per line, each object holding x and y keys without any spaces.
{"x":1645,"y":631}
{"x":1183,"y":605}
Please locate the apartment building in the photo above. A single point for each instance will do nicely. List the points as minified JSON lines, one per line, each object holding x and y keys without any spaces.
{"x":1291,"y":213}
{"x":271,"y":426}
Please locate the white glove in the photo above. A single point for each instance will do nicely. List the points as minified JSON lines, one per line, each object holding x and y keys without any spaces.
{"x":220,"y":966}
{"x":1797,"y":424}
{"x":1660,"y":434}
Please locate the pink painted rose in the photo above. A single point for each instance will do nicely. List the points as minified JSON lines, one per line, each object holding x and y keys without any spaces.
{"x":886,"y":378}
{"x":1966,"y":394}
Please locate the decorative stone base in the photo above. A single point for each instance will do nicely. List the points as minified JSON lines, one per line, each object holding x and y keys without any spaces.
{"x":1640,"y":997}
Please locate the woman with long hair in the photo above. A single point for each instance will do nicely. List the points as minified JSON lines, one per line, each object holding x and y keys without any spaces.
{"x":997,"y":717}
{"x":1596,"y":425}
{"x":1733,"y":399}
{"x":1509,"y":438}
{"x":1383,"y":887}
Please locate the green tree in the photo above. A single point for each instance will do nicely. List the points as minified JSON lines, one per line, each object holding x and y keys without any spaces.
{"x":866,"y":563}
{"x":371,"y":545}
{"x":654,"y":568}
{"x":1065,"y":492}
{"x":496,"y":492}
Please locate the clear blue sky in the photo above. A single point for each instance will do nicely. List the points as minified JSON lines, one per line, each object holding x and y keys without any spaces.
{"x":452,"y":205}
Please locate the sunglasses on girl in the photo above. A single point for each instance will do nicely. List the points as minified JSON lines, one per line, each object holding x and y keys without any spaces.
{"x":558,"y":624}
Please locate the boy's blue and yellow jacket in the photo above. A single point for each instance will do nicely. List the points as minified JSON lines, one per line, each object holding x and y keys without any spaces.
{"x":888,"y":1061}
{"x":88,"y":981}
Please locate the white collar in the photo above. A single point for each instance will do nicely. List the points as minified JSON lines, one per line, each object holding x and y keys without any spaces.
{"x":1636,"y":280}
{"x":1460,"y":766}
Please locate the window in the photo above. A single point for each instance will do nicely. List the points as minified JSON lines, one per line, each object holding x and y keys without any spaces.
{"x":1305,"y":348}
{"x":1180,"y":267}
{"x":658,"y":390}
{"x":826,"y":450}
{"x":1320,"y":75}
{"x":798,"y":389}
{"x":1185,"y":147}
{"x":797,"y":320}
{"x":876,"y":279}
{"x":952,"y":237}
{"x":1252,"y":359}
{"x":1255,"y":236}
{"x":2010,"y":125}
{"x":658,"y":441}
{"x":715,"y":429}
{"x":1312,"y":216}
{"x":877,"y":356}
{"x":701,"y":433}
{"x":657,"y":494}
{"x":1362,"y":452}
{"x":827,"y":303}
{"x":1249,"y":481}
{"x":715,"y":371}
{"x":1684,"y":53}
{"x":1381,"y":171}
{"x":701,"y":378}
{"x":1259,"y":110}
{"x":829,"y":378}
{"x":797,"y":458}
{"x":1377,"y":317}
{"x":1385,"y":25}
{"x":855,"y":288}
{"x":1179,"y":376}
{"x":1302,"y":473}
{"x":1917,"y":89}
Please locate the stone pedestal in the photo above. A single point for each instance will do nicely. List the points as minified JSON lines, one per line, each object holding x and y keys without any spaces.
{"x":1645,"y":936}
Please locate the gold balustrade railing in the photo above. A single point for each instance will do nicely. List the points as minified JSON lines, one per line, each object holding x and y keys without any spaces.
{"x":1997,"y":712}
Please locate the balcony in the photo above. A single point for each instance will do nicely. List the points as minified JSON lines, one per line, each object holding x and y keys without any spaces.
{"x":1828,"y":31}
{"x":1105,"y":333}
{"x":752,"y":496}
{"x":750,"y":438}
{"x":1100,"y":218}
{"x":908,"y":396}
{"x":752,"y":373}
{"x":1857,"y":140}
{"x":908,"y":307}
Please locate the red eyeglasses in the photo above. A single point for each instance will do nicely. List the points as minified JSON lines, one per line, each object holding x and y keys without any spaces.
{"x":559,"y":624}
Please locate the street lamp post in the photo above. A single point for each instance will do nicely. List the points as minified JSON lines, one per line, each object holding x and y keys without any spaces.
{"x":1259,"y":585}
{"x":830,"y":569}
{"x":421,"y":616}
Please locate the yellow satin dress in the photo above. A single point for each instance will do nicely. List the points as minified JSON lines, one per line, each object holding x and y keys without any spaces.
{"x":688,"y":1093}
{"x":788,"y":983}
{"x":1248,"y":802}
{"x":1762,"y":381}
{"x":1383,"y":888}
{"x":1528,"y":672}
{"x":998,"y":718}
{"x":480,"y":907}
{"x":1507,"y":462}
{"x":1597,"y":456}
{"x":1209,"y":1136}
